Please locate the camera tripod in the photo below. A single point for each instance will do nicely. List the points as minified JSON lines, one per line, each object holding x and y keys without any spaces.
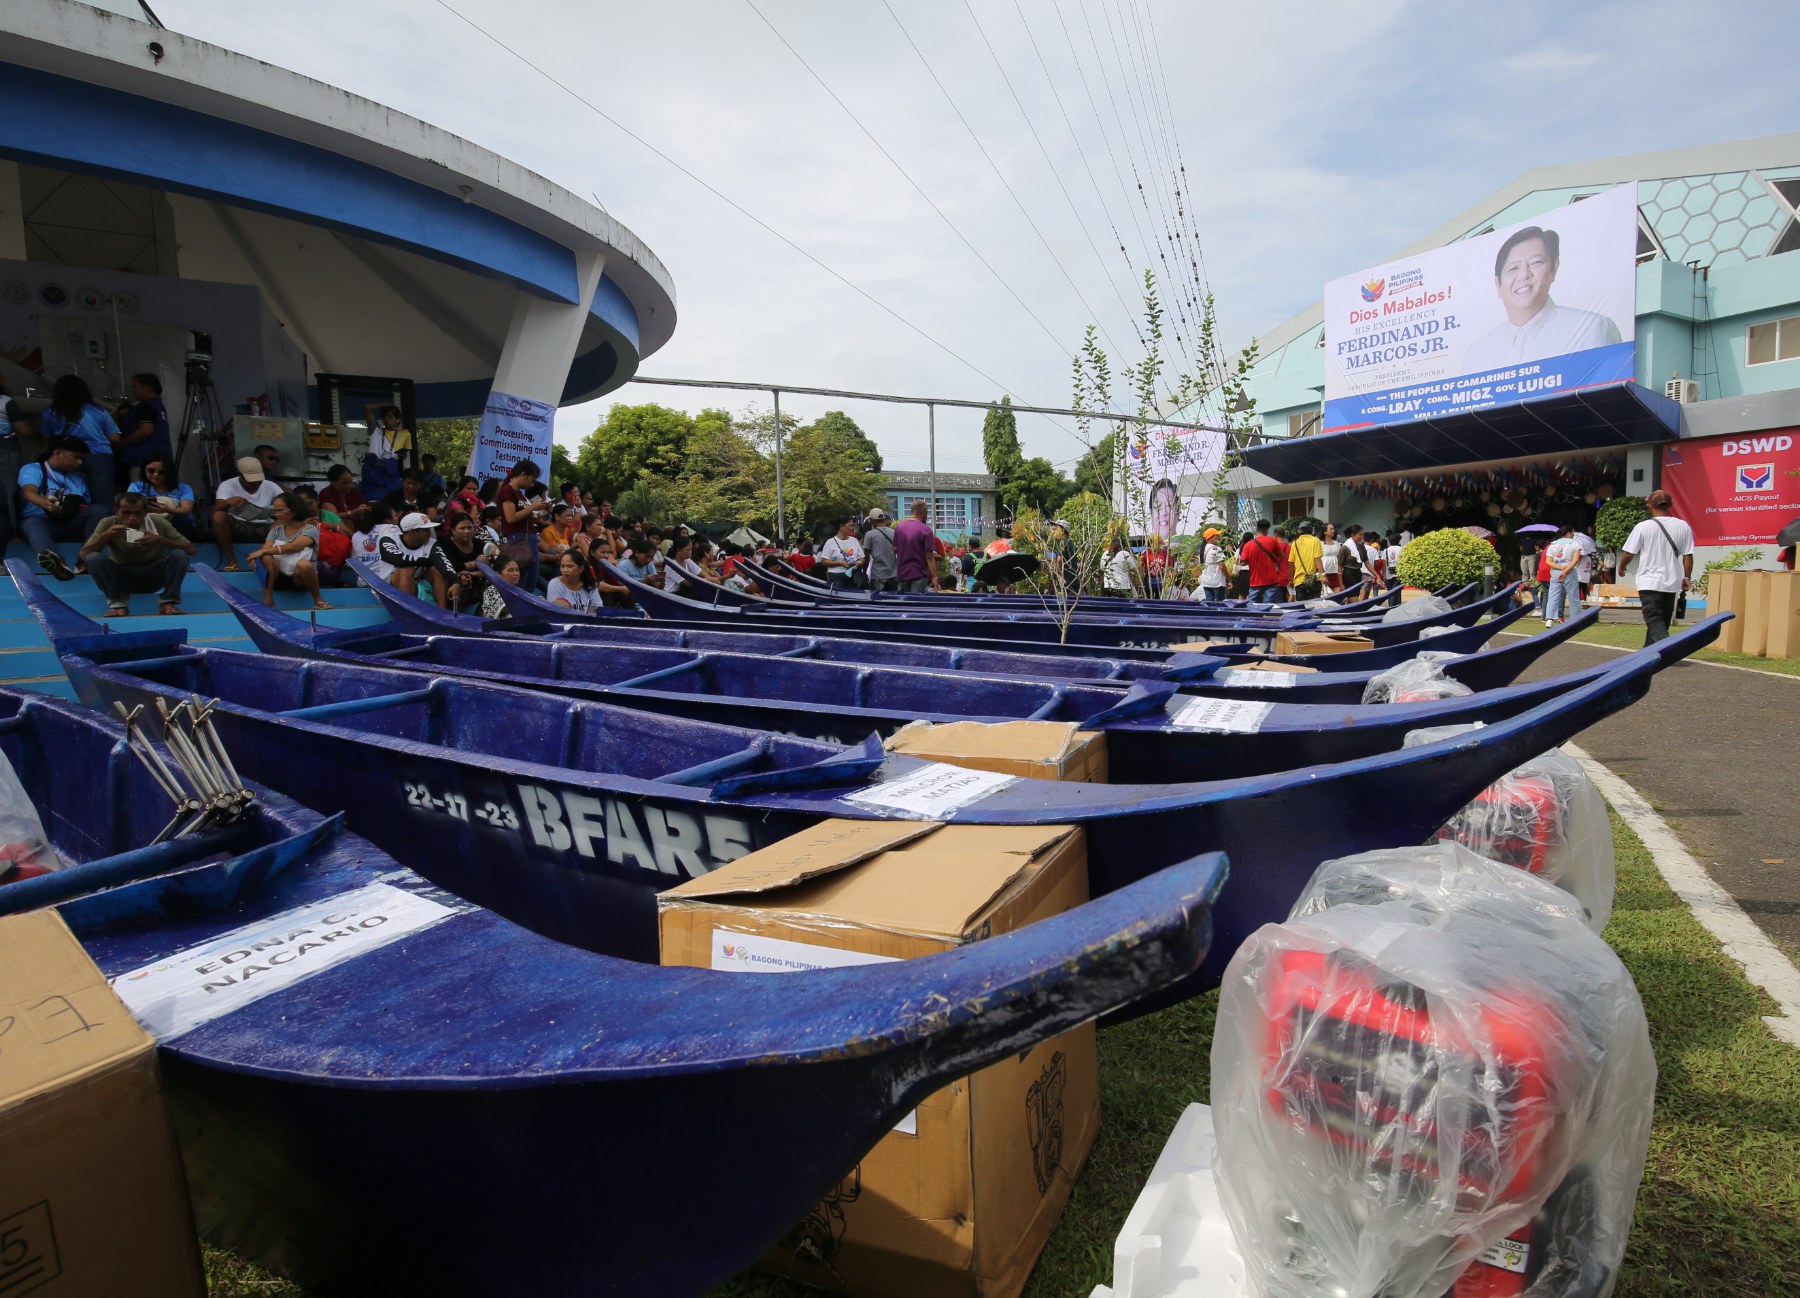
{"x":200,"y":410}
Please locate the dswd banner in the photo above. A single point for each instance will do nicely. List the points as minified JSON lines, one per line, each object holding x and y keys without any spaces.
{"x":1737,"y":490}
{"x":513,"y":429}
{"x":1542,"y":306}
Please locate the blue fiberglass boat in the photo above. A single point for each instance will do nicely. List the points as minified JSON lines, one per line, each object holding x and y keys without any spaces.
{"x":517,"y":1116}
{"x":602,"y":806}
{"x":1153,"y":731}
{"x":1328,"y":683}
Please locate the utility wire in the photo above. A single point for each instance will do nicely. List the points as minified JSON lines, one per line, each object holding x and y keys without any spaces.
{"x":1055,"y":174}
{"x":739,"y":208}
{"x":918,"y":188}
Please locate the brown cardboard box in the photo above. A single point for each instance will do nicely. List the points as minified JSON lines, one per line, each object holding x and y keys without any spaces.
{"x":1269,"y":667}
{"x":1757,"y":589}
{"x":1198,"y":646}
{"x":92,"y":1197}
{"x":1784,"y":615}
{"x":962,"y":1202}
{"x":1037,"y":750}
{"x":1725,"y":594}
{"x":1321,"y":642}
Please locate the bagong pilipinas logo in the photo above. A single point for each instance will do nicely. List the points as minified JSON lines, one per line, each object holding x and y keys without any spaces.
{"x":1044,"y":1120}
{"x":1755,"y":477}
{"x":1371,"y":291}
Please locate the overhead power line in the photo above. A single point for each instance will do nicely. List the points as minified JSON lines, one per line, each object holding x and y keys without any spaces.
{"x":738,"y":207}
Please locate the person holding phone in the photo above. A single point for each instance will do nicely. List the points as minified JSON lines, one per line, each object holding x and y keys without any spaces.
{"x":135,"y":552}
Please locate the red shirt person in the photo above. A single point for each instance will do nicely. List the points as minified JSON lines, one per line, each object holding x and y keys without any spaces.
{"x":1267,"y":557}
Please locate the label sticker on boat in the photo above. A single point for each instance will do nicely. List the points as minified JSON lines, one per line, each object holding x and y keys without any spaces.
{"x":1257,"y":680}
{"x":183,"y":991}
{"x":1509,"y":1255}
{"x":933,"y":791}
{"x":1219,"y":716}
{"x":734,"y":952}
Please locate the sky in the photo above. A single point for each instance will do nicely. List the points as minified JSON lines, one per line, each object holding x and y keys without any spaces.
{"x":1316,"y":139}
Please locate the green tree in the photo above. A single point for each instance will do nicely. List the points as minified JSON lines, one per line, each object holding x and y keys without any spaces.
{"x":726,"y":478}
{"x":633,"y":442}
{"x":1000,"y":443}
{"x":836,"y":421}
{"x":1036,"y":484}
{"x":827,"y":476}
{"x":1094,"y":471}
{"x":563,"y":468}
{"x":452,"y":441}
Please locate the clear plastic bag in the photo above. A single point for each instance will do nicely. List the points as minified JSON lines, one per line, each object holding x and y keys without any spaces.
{"x":25,"y":849}
{"x":1415,"y":610}
{"x":1417,"y":680}
{"x":1433,"y":1079}
{"x":1545,"y":817}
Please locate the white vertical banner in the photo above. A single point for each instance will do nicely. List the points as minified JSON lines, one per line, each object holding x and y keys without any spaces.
{"x":513,"y":429}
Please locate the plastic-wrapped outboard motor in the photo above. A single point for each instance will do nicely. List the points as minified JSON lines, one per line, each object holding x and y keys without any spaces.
{"x":1415,"y":610}
{"x":1419,"y":679}
{"x":1432,"y":1080}
{"x":1544,"y":817}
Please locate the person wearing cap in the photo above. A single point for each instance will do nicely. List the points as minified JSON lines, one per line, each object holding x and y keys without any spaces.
{"x":1213,"y":579}
{"x":404,"y":550}
{"x":878,"y":542}
{"x":1308,"y":554}
{"x":1664,"y":548}
{"x":243,"y":510}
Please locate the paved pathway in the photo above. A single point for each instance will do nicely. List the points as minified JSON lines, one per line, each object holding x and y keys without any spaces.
{"x":1717,"y":752}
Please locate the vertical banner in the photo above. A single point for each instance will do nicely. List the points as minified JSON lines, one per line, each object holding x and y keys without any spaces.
{"x":512,"y":429}
{"x":1169,"y":479}
{"x":1737,"y":490}
{"x":1539,"y":307}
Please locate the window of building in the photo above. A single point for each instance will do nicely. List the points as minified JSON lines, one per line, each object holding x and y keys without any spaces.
{"x":1647,"y":247}
{"x":1304,"y":423}
{"x":1289,"y":507}
{"x":1774,"y":340}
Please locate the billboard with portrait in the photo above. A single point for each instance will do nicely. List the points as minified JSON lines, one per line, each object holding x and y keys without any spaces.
{"x":1738,"y":490}
{"x":1168,"y":479}
{"x":1534,"y":308}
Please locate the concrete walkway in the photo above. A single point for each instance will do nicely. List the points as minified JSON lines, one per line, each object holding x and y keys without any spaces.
{"x":1717,"y":752}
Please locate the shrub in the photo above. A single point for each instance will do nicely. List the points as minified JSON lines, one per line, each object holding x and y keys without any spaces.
{"x":1288,"y":528}
{"x":1613,"y":524}
{"x":1451,"y":557}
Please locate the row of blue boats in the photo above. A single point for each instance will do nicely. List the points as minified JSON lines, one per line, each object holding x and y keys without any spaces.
{"x":405,"y":986}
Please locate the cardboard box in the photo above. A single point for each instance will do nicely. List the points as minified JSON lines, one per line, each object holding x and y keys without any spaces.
{"x":1037,"y":750}
{"x":92,"y":1197}
{"x":1784,"y":615}
{"x":1269,"y":667}
{"x":960,"y":1198}
{"x":1321,"y":642}
{"x":1757,"y":589}
{"x":1725,"y":594}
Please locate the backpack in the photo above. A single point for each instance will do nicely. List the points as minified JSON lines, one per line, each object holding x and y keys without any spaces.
{"x":334,"y":547}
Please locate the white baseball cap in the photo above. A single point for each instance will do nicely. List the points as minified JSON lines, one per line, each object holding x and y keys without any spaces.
{"x":416,"y":523}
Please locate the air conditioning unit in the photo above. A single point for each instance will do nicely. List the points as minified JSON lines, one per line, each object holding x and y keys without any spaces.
{"x":1686,"y":391}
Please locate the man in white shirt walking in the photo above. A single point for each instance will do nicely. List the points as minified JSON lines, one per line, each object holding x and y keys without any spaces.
{"x":1664,"y":546}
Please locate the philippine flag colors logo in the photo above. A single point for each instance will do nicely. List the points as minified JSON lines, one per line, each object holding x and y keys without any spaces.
{"x":1755,"y":477}
{"x":1371,"y":291}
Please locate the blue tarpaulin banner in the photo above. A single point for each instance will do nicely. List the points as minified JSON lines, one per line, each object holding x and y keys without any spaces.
{"x":513,"y":429}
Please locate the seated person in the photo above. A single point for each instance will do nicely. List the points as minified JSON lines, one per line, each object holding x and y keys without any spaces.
{"x":167,"y":496}
{"x":342,"y":497}
{"x":467,"y":496}
{"x":493,"y":608}
{"x":405,"y":550}
{"x":55,"y":504}
{"x":573,"y":587}
{"x":243,"y":510}
{"x":412,"y":497}
{"x":681,"y":575}
{"x":557,"y":536}
{"x":612,"y":594}
{"x":288,"y":554}
{"x":463,"y":550}
{"x":363,"y":544}
{"x":429,"y":476}
{"x":335,"y":537}
{"x":487,"y":530}
{"x":135,"y":552}
{"x":640,"y":561}
{"x":270,"y":459}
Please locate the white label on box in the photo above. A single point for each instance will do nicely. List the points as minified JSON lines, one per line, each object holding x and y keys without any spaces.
{"x":933,"y":791}
{"x":1509,"y":1255}
{"x":1220,"y":716}
{"x":182,"y":991}
{"x":1257,"y":680}
{"x":734,"y":952}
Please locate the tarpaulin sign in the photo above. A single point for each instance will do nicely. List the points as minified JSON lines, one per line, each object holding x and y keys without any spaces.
{"x":1737,"y":490}
{"x":1530,"y":309}
{"x":512,"y":429}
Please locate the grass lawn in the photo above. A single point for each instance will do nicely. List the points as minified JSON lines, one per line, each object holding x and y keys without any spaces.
{"x":1718,"y":1215}
{"x":1630,"y":635}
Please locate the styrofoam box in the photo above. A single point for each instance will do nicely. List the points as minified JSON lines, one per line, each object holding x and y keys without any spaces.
{"x":1176,"y":1242}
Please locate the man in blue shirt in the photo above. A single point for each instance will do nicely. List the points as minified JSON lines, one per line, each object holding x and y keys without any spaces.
{"x":429,"y":477}
{"x":56,"y":505}
{"x":143,"y":427}
{"x":12,"y":423}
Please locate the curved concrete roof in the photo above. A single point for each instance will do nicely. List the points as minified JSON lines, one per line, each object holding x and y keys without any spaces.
{"x":409,"y":208}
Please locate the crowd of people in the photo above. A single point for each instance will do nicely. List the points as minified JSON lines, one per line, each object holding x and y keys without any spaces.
{"x":1261,"y":566}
